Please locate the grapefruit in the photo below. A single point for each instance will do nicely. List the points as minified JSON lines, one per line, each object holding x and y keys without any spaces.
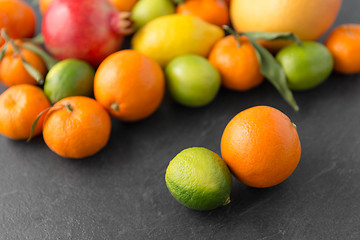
{"x":308,"y":19}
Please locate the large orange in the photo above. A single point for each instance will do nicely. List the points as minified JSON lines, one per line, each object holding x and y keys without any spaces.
{"x":19,"y":107}
{"x":308,"y":19}
{"x":12,"y":70}
{"x":18,"y":18}
{"x":238,"y":65}
{"x":76,"y":127}
{"x":344,"y":45}
{"x":129,"y":85}
{"x":261,"y":146}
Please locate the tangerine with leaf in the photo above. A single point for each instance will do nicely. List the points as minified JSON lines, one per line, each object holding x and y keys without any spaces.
{"x":22,"y":61}
{"x":243,"y":61}
{"x":20,"y":65}
{"x":76,"y":127}
{"x":236,"y":60}
{"x":19,"y":107}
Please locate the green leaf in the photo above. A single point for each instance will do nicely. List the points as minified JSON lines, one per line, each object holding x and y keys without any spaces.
{"x":288,"y":36}
{"x":49,"y":61}
{"x":4,"y":34}
{"x":33,"y":72}
{"x":34,"y":124}
{"x":3,"y":51}
{"x":38,"y":39}
{"x":273,"y":71}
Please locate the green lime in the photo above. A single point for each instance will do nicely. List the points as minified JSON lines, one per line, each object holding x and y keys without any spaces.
{"x":192,"y":80}
{"x":305,"y":66}
{"x":199,"y":179}
{"x":67,"y":78}
{"x":146,"y":10}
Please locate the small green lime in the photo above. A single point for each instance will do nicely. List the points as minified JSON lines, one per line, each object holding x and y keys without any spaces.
{"x":67,"y":78}
{"x":305,"y":66}
{"x":146,"y":10}
{"x":199,"y":179}
{"x":192,"y":80}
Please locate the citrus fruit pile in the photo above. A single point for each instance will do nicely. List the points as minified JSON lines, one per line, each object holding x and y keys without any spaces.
{"x":70,"y":79}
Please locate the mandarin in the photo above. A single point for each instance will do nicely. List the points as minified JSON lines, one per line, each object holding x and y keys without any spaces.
{"x":44,"y":4}
{"x":212,"y":11}
{"x":124,"y":5}
{"x":129,"y":85}
{"x":18,"y":18}
{"x":344,"y":45}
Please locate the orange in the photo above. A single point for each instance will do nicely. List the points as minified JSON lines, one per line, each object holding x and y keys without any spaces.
{"x":76,"y":127}
{"x":227,"y":2}
{"x":261,"y":146}
{"x":124,"y":5}
{"x":212,"y":11}
{"x":239,"y":66}
{"x":344,"y":45}
{"x":18,"y":18}
{"x":308,"y":19}
{"x":19,"y":107}
{"x":12,"y":70}
{"x":129,"y":85}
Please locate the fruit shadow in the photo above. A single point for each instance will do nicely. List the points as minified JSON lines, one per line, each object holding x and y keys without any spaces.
{"x":338,"y":89}
{"x":115,"y":152}
{"x":120,"y":147}
{"x":243,"y":200}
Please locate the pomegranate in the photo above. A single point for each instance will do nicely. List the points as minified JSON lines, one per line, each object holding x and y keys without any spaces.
{"x":89,"y":30}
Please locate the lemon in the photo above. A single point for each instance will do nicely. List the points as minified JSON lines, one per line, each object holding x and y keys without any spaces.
{"x":199,"y":179}
{"x":170,"y":36}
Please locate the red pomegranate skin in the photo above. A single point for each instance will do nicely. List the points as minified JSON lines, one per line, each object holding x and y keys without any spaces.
{"x":81,"y":29}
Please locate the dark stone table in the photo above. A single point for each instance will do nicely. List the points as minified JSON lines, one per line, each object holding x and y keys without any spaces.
{"x":120,"y":193}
